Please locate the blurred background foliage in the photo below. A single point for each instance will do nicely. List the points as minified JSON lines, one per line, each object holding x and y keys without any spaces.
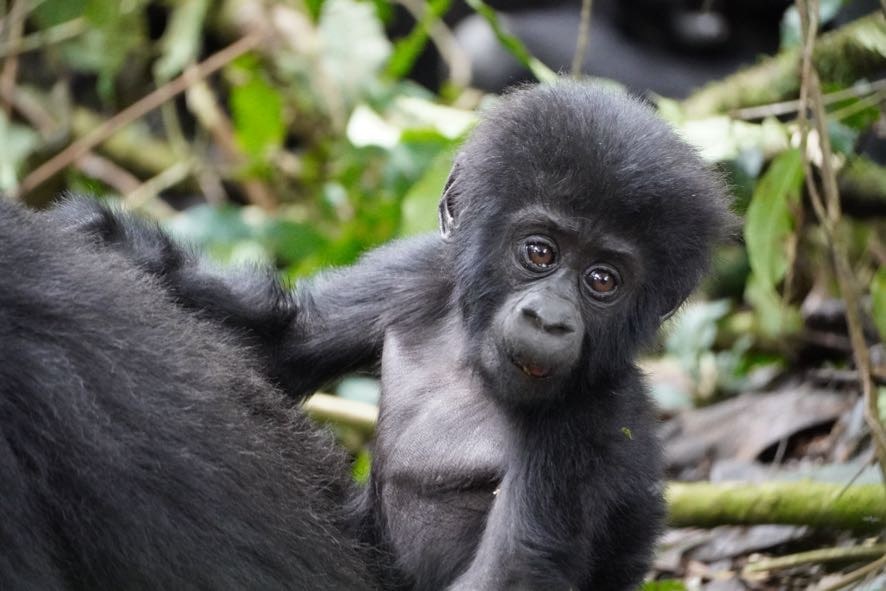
{"x":300,"y":133}
{"x":325,"y":133}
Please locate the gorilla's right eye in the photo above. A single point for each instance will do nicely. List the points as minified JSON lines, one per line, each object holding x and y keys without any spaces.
{"x":539,"y":255}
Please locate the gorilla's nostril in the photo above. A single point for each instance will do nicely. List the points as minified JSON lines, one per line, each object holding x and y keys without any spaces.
{"x":533,"y":317}
{"x":559,"y":328}
{"x":539,"y":321}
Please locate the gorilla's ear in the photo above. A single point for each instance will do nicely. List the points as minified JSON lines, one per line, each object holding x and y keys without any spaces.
{"x":448,"y":208}
{"x":664,"y":317}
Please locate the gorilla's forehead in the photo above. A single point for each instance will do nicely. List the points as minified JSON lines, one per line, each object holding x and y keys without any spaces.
{"x":589,"y":231}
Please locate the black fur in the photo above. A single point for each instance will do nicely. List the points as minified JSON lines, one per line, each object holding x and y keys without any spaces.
{"x":485,"y":477}
{"x":142,"y":447}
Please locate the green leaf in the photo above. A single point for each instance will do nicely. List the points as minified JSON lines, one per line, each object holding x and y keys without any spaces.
{"x":663,"y":585}
{"x":291,"y":242}
{"x":878,"y":301}
{"x":420,"y":204}
{"x":842,"y":137}
{"x":257,"y":109}
{"x":694,"y":330}
{"x":362,"y":466}
{"x":55,"y":12}
{"x":775,"y":319}
{"x":769,"y":221}
{"x":407,"y":50}
{"x":116,"y":30}
{"x":512,"y":44}
{"x":181,"y":41}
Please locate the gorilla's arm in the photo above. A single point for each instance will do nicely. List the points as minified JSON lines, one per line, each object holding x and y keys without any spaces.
{"x":329,"y":325}
{"x":579,"y":499}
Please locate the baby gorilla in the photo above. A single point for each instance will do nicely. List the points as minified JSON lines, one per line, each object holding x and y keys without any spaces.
{"x":516,"y":445}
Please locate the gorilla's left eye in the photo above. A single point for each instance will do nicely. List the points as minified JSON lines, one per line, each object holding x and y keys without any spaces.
{"x":603,"y":282}
{"x":539,"y":254}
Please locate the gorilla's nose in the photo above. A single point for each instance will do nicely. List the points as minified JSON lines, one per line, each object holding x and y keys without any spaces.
{"x":554,"y":317}
{"x":545,"y":334}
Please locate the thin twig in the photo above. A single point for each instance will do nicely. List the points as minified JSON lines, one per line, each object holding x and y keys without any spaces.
{"x":873,"y":100}
{"x":856,"y":575}
{"x":40,"y":39}
{"x":829,"y":216}
{"x":808,"y":27}
{"x":137,"y":110}
{"x":99,"y":167}
{"x":144,"y":196}
{"x":584,"y":34}
{"x":859,"y":89}
{"x":819,"y":556}
{"x":327,"y":408}
{"x":10,"y":66}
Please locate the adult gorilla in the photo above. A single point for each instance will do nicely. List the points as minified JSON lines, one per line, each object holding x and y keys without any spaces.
{"x":140,"y":446}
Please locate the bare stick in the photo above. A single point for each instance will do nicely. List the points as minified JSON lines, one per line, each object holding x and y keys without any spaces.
{"x":584,"y":34}
{"x":822,"y":555}
{"x":860,"y":89}
{"x":10,"y":66}
{"x":856,"y":575}
{"x":136,"y":110}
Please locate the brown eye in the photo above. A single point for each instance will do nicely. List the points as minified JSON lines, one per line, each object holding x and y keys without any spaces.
{"x":539,"y":255}
{"x":602,"y":281}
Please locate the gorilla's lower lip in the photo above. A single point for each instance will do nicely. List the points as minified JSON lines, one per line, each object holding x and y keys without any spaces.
{"x":531,"y":370}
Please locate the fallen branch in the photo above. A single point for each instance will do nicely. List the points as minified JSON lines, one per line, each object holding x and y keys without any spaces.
{"x":332,"y":409}
{"x":815,"y":504}
{"x":820,"y":556}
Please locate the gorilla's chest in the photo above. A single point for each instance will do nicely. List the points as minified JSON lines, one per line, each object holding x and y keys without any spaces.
{"x":440,"y":454}
{"x":437,"y":430}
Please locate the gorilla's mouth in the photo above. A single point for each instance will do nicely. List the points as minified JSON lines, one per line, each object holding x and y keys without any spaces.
{"x":530,"y":369}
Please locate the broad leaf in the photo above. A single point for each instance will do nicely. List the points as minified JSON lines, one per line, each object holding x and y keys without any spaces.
{"x":769,"y":220}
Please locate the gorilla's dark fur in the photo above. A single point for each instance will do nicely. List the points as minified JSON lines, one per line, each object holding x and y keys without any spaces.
{"x":140,"y":446}
{"x":515,"y":447}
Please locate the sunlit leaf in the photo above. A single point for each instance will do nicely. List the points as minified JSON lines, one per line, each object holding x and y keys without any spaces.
{"x":16,"y":143}
{"x":722,"y":138}
{"x":362,"y":466}
{"x":448,"y":121}
{"x":257,"y":109}
{"x":368,"y":128}
{"x":354,"y":45}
